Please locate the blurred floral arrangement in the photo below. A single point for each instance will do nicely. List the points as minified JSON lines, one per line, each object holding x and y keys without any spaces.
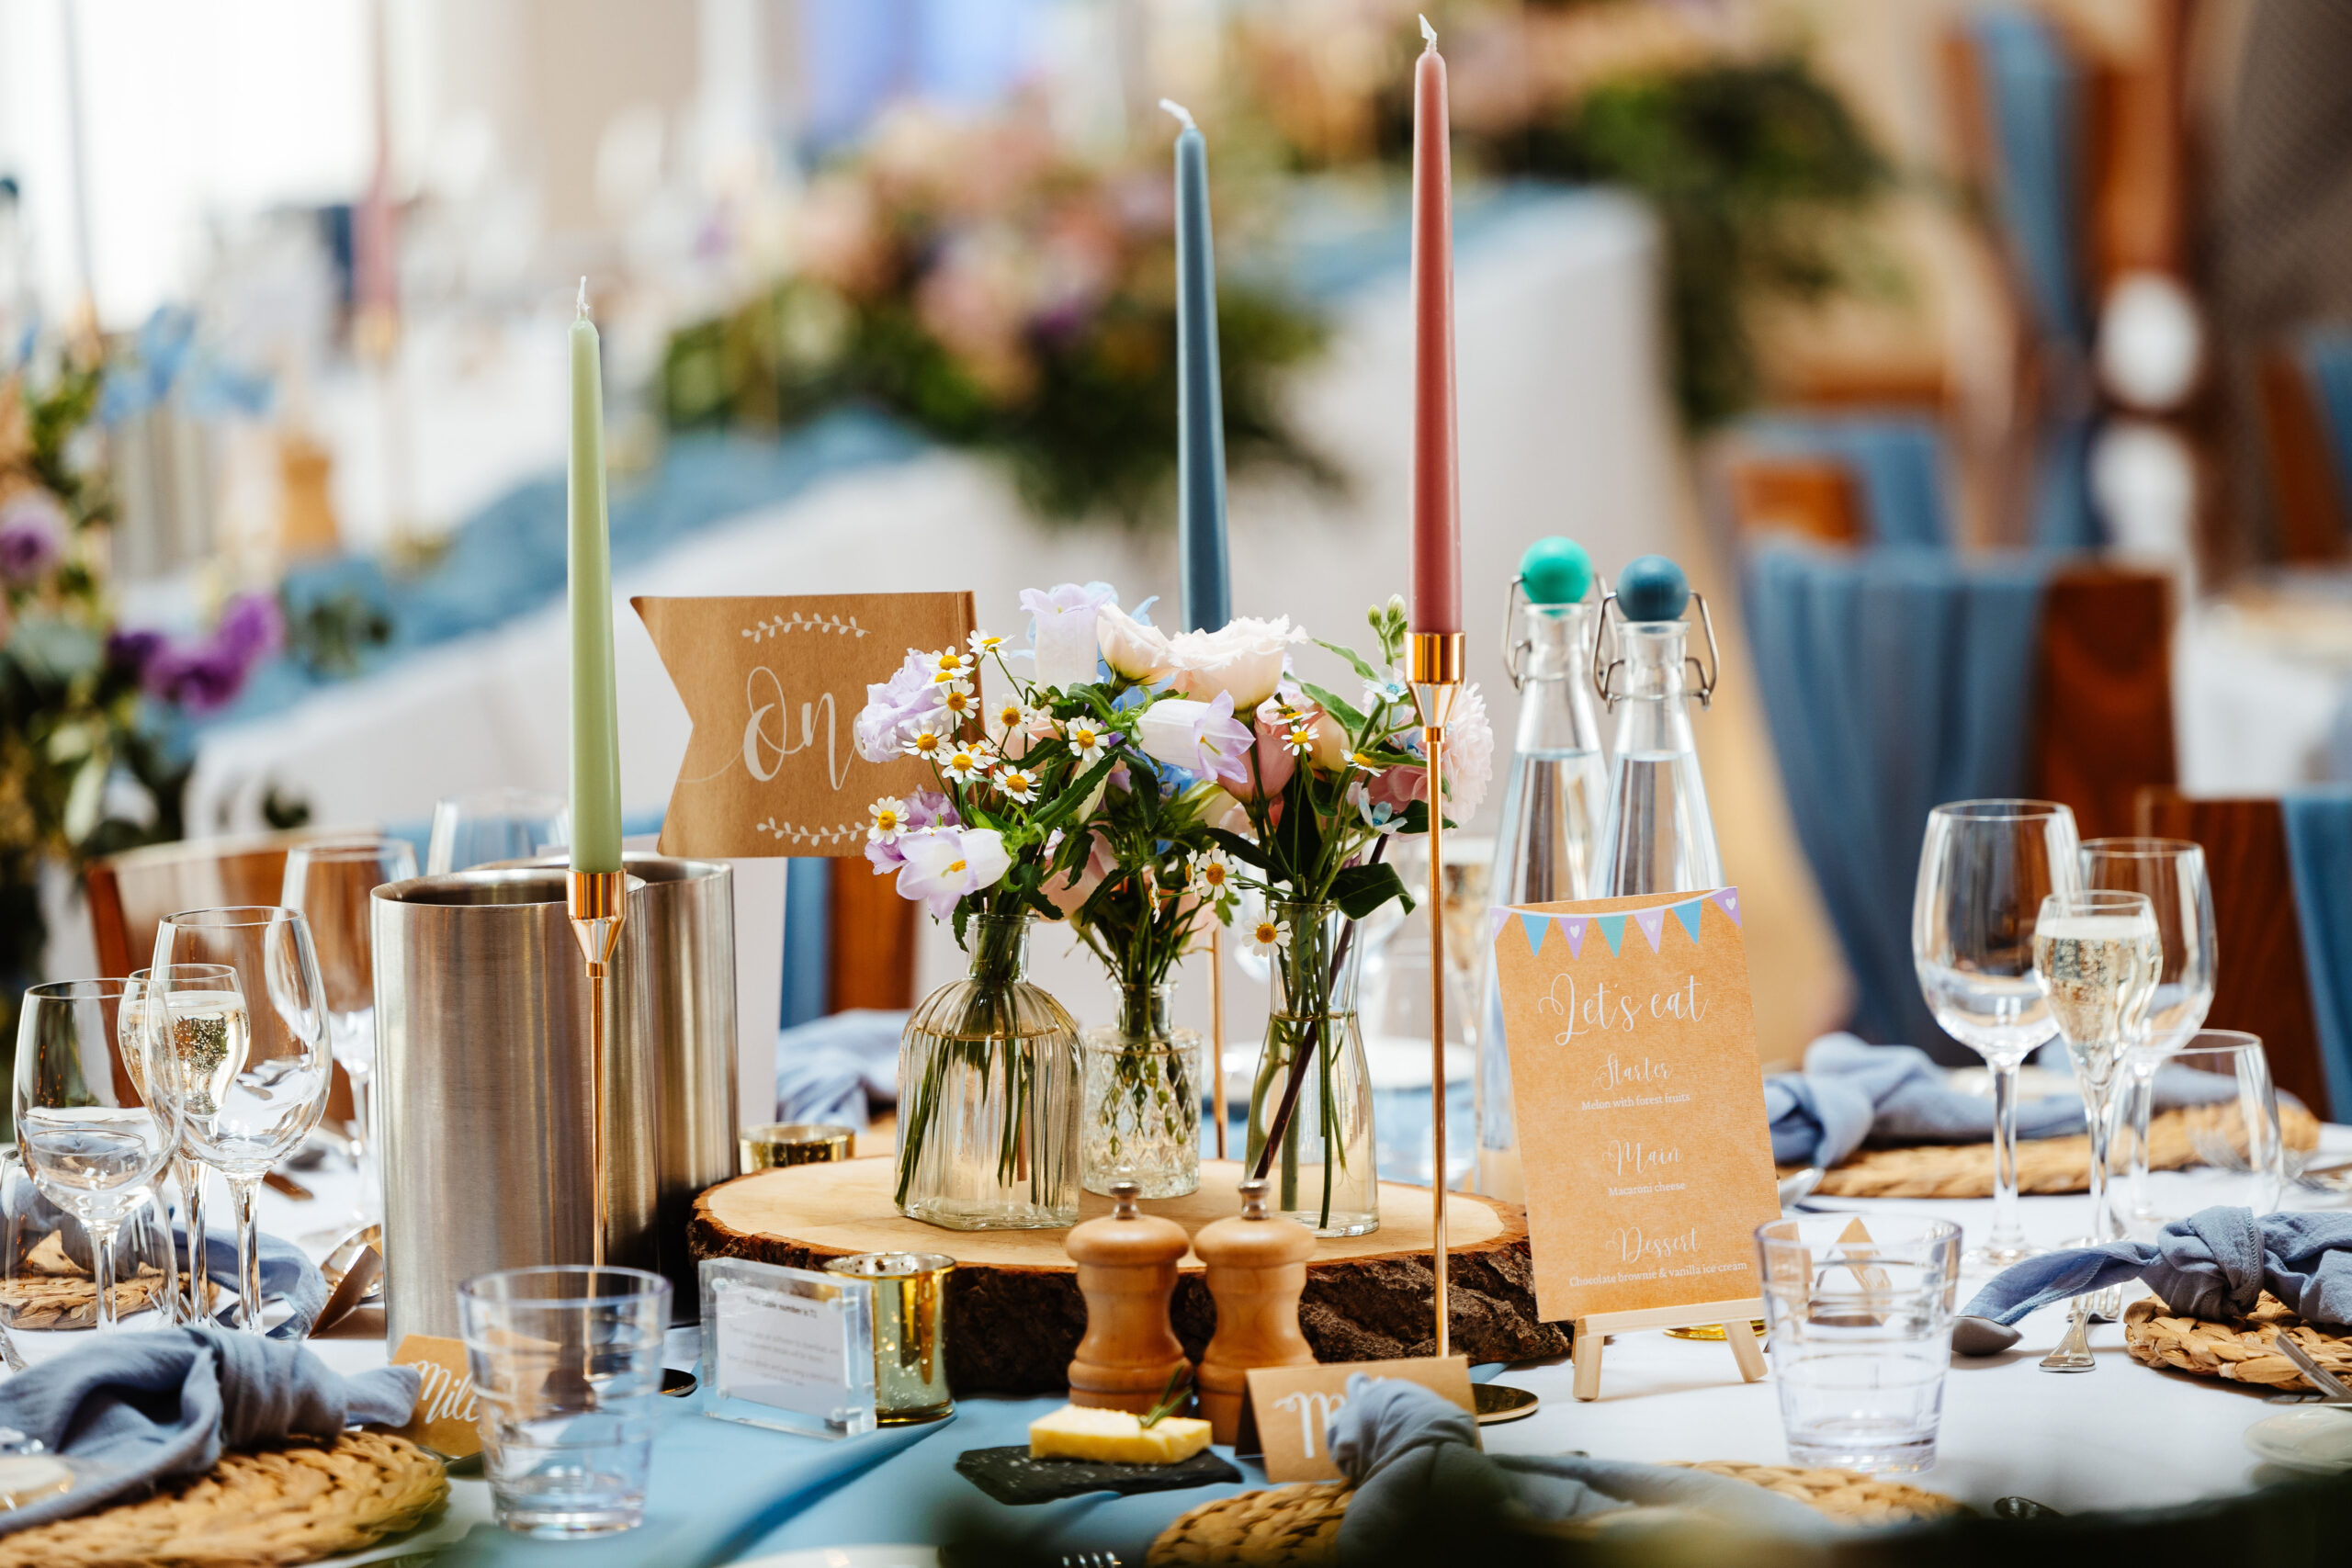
{"x":1758,"y":170}
{"x":978,"y":281}
{"x":86,"y":765}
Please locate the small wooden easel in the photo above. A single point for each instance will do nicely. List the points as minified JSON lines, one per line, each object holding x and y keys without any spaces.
{"x":1737,"y":1319}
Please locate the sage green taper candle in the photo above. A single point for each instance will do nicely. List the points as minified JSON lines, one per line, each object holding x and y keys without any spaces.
{"x":595,"y":724}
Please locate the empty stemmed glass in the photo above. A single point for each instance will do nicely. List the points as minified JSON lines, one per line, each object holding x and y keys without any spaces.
{"x":1984,"y":868}
{"x":248,"y":1070}
{"x":89,"y":1139}
{"x":2171,"y":872}
{"x":332,"y":882}
{"x":215,"y":980}
{"x":496,"y":825}
{"x":2097,"y":956}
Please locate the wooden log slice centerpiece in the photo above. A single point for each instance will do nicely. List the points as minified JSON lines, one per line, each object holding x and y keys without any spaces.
{"x":1014,"y":1314}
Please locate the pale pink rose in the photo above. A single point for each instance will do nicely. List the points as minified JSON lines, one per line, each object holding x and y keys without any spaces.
{"x":1132,"y":648}
{"x":1072,"y":889}
{"x":1243,"y":657}
{"x":1272,"y":763}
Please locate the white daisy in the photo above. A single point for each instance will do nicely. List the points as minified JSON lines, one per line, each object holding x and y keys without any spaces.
{"x":889,"y":815}
{"x":1299,"y":739}
{"x":1010,"y":716}
{"x":1213,"y":874}
{"x":959,"y":701}
{"x":968,"y":761}
{"x":1090,"y":740}
{"x":1018,"y":783}
{"x":928,"y":743}
{"x":986,"y":643}
{"x":950,"y":666}
{"x":1266,"y":935}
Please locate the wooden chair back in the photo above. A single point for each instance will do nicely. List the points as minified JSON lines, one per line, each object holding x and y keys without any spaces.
{"x":2260,"y":987}
{"x":2306,"y":475}
{"x":2103,"y":715}
{"x":1802,"y":497}
{"x":874,"y":932}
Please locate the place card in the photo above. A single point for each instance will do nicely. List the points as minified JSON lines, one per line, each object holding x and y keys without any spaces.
{"x":788,"y":1348}
{"x":1293,"y":1406}
{"x":1640,"y":1105}
{"x":444,"y":1422}
{"x":772,"y":686}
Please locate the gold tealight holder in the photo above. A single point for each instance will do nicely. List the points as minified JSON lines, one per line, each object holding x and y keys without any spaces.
{"x":910,"y":1332}
{"x":794,"y":1142}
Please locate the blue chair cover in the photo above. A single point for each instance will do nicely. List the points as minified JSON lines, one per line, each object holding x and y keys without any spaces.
{"x":2326,"y":355}
{"x":2319,"y":852}
{"x":1896,"y":461}
{"x":1892,"y":680}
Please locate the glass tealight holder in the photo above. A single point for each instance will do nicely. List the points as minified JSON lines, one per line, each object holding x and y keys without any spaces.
{"x":910,"y":1332}
{"x":794,"y":1142}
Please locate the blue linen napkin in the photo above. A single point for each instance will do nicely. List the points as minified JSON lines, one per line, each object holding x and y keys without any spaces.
{"x":125,"y":1410}
{"x":2214,"y":1264}
{"x":1408,"y":1449}
{"x":1851,"y":1093}
{"x":286,"y":1272}
{"x":828,"y":1069}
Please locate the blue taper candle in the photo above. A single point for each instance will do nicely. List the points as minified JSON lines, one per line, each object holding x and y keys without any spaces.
{"x":1200,"y":405}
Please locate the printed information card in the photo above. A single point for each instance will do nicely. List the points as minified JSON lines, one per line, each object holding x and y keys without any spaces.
{"x":788,"y":1348}
{"x":1640,"y":1105}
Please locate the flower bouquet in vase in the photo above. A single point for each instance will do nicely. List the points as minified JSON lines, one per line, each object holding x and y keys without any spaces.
{"x":1325,"y":785}
{"x":988,"y":1065}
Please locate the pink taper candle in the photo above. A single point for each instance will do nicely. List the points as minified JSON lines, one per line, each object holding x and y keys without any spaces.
{"x":1437,"y":539}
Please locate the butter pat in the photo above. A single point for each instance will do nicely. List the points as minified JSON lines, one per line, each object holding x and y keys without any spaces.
{"x":1115,"y":1437}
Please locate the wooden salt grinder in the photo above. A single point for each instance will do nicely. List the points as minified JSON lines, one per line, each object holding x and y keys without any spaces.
{"x":1257,"y":1268}
{"x":1126,"y":1270}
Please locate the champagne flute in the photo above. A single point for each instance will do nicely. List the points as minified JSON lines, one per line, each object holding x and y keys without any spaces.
{"x":1984,"y":868}
{"x":132,"y":1037}
{"x":249,"y":1071}
{"x":2171,"y":872}
{"x":331,"y":883}
{"x":496,"y":825}
{"x":87,"y":1138}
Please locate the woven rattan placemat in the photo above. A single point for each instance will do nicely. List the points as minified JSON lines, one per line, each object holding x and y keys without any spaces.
{"x":1298,"y":1526}
{"x":2242,"y":1349}
{"x":2044,"y":1165}
{"x":277,"y":1506}
{"x":71,"y":1301}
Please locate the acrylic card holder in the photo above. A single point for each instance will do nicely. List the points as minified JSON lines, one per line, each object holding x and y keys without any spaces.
{"x":788,"y":1348}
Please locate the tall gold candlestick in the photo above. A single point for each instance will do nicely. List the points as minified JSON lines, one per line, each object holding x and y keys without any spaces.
{"x":1217,"y":1027}
{"x":1435,"y":668}
{"x":598,"y":902}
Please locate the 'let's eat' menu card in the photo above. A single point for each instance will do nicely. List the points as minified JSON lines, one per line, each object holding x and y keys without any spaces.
{"x":1639,"y":1105}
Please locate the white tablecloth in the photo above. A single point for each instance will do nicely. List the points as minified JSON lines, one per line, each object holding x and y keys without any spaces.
{"x":2123,"y":1436}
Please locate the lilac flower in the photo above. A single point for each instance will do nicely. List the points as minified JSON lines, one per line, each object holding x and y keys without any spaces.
{"x":31,"y":532}
{"x":250,"y":628}
{"x":946,"y":863}
{"x":1062,"y":626}
{"x":906,"y":697}
{"x":208,"y":677}
{"x":930,"y":808}
{"x":133,"y":650}
{"x":1203,"y":738}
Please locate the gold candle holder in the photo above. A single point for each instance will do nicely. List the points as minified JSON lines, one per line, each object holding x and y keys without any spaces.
{"x":598,"y":902}
{"x":910,"y":1332}
{"x":775,"y":1144}
{"x":1434,"y":661}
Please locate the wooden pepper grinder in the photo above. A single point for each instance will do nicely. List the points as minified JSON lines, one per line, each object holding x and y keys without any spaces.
{"x":1257,"y":1268}
{"x":1126,"y":1270}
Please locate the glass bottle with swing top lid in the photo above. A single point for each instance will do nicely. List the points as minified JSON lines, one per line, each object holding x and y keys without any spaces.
{"x":1552,"y":807}
{"x":1657,"y":835}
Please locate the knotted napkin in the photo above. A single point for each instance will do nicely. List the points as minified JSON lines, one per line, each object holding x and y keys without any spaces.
{"x":286,"y":1273}
{"x":129,"y":1410}
{"x":1851,"y":1092}
{"x":2214,"y":1264}
{"x":1409,"y":1451}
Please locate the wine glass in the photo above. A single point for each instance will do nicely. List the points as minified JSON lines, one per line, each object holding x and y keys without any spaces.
{"x":249,"y":1069}
{"x":2096,"y":955}
{"x":494,"y":825}
{"x":2171,"y":872}
{"x":131,"y":1039}
{"x":88,"y":1139}
{"x":332,"y":882}
{"x":1984,"y":868}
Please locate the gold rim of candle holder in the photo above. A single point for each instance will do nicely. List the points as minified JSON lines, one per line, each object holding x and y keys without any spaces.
{"x":806,"y":1142}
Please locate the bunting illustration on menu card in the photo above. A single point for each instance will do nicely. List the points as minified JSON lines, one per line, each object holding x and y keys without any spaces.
{"x":1632,"y":1057}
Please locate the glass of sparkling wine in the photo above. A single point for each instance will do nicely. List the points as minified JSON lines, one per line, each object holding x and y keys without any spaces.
{"x":2096,"y":955}
{"x":247,"y":1071}
{"x":200,"y":987}
{"x":1984,"y":868}
{"x":89,"y":1139}
{"x":2171,"y":872}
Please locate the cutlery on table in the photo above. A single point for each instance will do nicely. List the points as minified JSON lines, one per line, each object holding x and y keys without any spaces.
{"x":2327,"y":1383}
{"x":2074,"y":1352}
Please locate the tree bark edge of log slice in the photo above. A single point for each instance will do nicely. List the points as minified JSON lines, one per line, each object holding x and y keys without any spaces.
{"x":1012,"y":1328}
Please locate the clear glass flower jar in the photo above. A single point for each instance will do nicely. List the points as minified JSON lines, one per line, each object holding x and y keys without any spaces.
{"x":1142,"y":1117}
{"x":989,"y":1096}
{"x":1324,"y":1170}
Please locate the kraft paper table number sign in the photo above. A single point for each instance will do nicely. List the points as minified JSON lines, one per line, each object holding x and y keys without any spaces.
{"x":788,"y":1348}
{"x":772,"y":686}
{"x":1292,"y":1407}
{"x":1641,"y":1111}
